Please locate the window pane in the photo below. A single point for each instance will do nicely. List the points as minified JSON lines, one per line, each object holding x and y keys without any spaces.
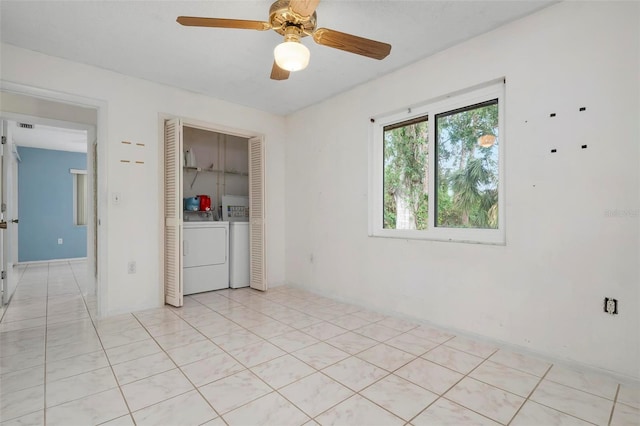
{"x":406,"y":174}
{"x":467,"y":167}
{"x":81,"y":199}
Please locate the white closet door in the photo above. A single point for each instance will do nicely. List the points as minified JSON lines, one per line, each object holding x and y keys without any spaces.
{"x":173,"y":212}
{"x":258,"y":267}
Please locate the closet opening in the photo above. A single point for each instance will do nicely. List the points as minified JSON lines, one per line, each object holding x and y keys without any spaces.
{"x":214,"y":210}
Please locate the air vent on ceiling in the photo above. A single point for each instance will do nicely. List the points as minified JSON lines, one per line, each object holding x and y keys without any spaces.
{"x":25,"y":126}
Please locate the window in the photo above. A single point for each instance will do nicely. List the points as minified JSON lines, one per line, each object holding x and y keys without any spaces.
{"x":436,"y":170}
{"x":79,"y":197}
{"x":406,"y":174}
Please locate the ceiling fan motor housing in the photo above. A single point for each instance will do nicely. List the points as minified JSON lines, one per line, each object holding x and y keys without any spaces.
{"x":281,"y":16}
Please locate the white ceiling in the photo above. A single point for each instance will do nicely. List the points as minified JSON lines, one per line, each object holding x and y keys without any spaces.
{"x":47,"y":137}
{"x":142,"y":39}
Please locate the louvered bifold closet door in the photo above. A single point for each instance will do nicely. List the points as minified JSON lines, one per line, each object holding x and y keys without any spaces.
{"x":258,"y":274}
{"x":172,"y":212}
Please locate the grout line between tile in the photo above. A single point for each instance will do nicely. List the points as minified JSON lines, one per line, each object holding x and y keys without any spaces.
{"x":102,"y":346}
{"x":613,"y":407}
{"x":295,"y":381}
{"x":196,"y":388}
{"x":582,"y":390}
{"x":350,"y":355}
{"x":442,"y":395}
{"x":552,"y":408}
{"x":274,"y":389}
{"x":46,"y":331}
{"x":530,"y":393}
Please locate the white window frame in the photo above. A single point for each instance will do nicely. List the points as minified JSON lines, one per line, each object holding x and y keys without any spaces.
{"x":75,"y":173}
{"x":376,"y":169}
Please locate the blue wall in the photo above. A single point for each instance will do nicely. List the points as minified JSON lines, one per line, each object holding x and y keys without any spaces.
{"x":45,"y":205}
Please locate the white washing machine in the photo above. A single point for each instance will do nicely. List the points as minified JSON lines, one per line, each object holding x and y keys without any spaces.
{"x":205,"y":251}
{"x":235,"y":209}
{"x":239,"y":254}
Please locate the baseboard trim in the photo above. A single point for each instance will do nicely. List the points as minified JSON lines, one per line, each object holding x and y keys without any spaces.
{"x":36,"y":262}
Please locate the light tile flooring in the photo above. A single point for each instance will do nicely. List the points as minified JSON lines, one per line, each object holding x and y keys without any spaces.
{"x":242,"y":357}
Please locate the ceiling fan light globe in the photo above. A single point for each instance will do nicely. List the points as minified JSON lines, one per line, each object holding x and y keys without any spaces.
{"x":291,"y":56}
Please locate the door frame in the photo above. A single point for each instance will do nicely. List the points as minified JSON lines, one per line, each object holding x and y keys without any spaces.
{"x":211,"y":127}
{"x":90,"y":140}
{"x":10,"y":158}
{"x":96,"y":133}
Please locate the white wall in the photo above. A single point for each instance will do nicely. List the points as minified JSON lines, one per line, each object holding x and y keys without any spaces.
{"x":27,"y":105}
{"x":544,"y":289}
{"x":133,"y":108}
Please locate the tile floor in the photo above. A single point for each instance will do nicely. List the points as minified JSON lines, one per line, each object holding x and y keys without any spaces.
{"x":242,"y":357}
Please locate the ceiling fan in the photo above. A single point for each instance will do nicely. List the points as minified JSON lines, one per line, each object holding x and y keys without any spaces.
{"x":295,"y":19}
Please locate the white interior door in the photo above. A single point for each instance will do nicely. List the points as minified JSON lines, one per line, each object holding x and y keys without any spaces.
{"x":4,"y":226}
{"x":258,"y":265}
{"x":9,"y":211}
{"x":173,"y":160}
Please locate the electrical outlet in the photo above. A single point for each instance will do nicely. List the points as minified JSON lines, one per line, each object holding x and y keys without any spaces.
{"x":59,"y":240}
{"x":131,"y":267}
{"x":611,"y":306}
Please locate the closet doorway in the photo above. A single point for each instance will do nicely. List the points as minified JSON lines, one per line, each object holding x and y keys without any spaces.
{"x":204,"y":161}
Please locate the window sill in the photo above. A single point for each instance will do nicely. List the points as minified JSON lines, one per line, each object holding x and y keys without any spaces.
{"x":464,"y":236}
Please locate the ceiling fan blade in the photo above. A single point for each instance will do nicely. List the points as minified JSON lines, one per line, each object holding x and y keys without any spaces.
{"x":304,"y":7}
{"x":241,"y":24}
{"x":350,"y":43}
{"x":278,"y":73}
